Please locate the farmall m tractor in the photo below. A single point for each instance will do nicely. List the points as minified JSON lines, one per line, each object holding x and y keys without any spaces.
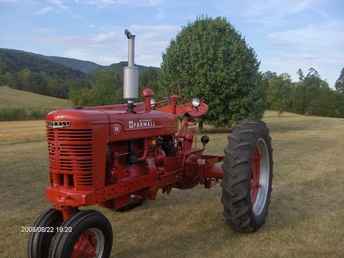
{"x":117,"y":156}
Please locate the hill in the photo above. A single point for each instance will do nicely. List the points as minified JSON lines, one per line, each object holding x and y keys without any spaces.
{"x":21,"y":105}
{"x":55,"y":76}
{"x":118,"y":67}
{"x":31,"y":72}
{"x":15,"y":60}
{"x":75,"y":64}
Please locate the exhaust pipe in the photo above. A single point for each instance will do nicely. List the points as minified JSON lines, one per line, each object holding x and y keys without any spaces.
{"x":131,"y":72}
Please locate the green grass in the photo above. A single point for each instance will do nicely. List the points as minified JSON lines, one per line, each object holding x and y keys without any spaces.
{"x":23,"y":105}
{"x":306,"y":214}
{"x":12,"y":98}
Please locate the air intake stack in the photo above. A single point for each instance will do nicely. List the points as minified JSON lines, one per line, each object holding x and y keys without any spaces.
{"x":131,"y":72}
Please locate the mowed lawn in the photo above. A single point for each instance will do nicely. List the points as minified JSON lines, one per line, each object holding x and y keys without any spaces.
{"x":306,"y":214}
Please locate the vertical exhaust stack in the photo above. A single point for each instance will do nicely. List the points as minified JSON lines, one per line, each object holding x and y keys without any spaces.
{"x":131,"y":73}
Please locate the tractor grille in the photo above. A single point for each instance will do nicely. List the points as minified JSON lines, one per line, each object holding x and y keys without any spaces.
{"x":71,"y":157}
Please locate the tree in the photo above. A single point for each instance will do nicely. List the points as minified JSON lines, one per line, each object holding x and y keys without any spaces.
{"x":149,"y":78}
{"x":24,"y":78}
{"x":278,"y":89}
{"x":105,"y":90}
{"x":210,"y":59}
{"x":340,"y":82}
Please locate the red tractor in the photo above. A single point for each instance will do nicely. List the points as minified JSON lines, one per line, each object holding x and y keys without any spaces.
{"x":118,"y":156}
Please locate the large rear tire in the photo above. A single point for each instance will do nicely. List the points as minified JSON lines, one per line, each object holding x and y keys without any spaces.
{"x":90,"y":237}
{"x":247,"y":182}
{"x":39,"y":241}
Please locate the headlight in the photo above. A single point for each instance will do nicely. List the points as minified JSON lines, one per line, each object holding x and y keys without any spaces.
{"x":153,"y":103}
{"x":196,"y":102}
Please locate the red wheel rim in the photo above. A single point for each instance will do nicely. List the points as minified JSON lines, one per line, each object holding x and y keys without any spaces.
{"x":255,"y":175}
{"x":85,"y":246}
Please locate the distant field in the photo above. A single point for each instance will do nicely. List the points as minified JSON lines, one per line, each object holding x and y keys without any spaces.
{"x":306,"y":217}
{"x":22,"y":105}
{"x":12,"y":98}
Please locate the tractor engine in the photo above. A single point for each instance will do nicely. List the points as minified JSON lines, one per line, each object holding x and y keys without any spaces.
{"x":91,"y":148}
{"x":130,"y":151}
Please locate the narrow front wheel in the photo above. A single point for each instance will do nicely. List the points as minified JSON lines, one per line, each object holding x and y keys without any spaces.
{"x":40,"y":239}
{"x":90,"y":236}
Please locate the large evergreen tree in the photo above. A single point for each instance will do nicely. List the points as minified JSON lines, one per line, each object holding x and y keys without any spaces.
{"x":210,"y":59}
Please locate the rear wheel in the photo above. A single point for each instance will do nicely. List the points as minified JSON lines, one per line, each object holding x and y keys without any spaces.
{"x":90,"y":237}
{"x":45,"y":225}
{"x":247,"y":182}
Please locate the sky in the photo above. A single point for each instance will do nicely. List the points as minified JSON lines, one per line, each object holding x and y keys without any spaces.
{"x":286,"y":34}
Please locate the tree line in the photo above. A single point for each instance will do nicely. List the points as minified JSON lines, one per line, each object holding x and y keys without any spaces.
{"x":310,"y":95}
{"x":106,"y":87}
{"x":40,"y":82}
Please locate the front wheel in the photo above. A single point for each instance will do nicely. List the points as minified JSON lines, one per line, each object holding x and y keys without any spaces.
{"x":248,"y":169}
{"x":90,"y":237}
{"x":39,"y":241}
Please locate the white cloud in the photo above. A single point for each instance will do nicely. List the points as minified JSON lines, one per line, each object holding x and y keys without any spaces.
{"x":278,"y":12}
{"x":311,"y":37}
{"x":110,"y":46}
{"x":52,"y":6}
{"x":133,"y":3}
{"x":58,"y":3}
{"x":44,"y":10}
{"x":277,"y":7}
{"x":315,"y":45}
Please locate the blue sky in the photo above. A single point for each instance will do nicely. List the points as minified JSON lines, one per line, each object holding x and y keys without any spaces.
{"x":286,"y":34}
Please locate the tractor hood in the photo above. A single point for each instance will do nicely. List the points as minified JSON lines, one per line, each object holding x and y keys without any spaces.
{"x":122,"y":125}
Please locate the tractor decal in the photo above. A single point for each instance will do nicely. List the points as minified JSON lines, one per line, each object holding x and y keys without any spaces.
{"x":141,"y":123}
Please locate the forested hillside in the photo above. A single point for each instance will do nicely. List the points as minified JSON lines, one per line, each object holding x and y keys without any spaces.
{"x":59,"y":76}
{"x":75,"y":64}
{"x":31,"y":72}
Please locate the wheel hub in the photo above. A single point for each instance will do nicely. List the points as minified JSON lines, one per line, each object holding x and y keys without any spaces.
{"x":260,"y":177}
{"x":89,"y":245}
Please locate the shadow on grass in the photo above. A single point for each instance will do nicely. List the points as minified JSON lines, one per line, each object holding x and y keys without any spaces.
{"x":215,"y":130}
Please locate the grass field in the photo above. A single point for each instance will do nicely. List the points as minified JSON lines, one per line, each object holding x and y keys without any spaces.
{"x":306,"y":214}
{"x":23,"y":105}
{"x":12,"y":98}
